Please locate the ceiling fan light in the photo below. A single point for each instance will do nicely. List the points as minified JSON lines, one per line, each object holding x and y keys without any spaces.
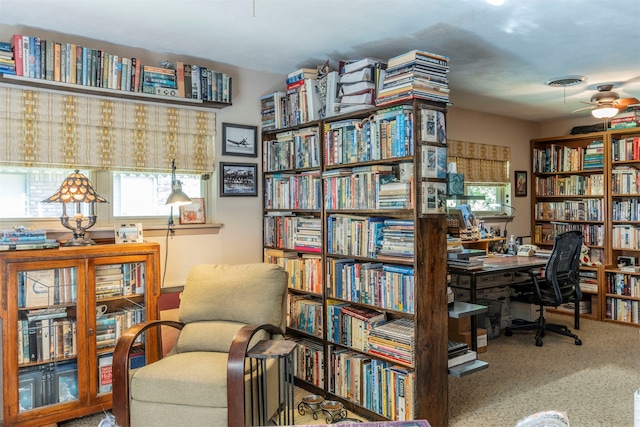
{"x":605,"y":112}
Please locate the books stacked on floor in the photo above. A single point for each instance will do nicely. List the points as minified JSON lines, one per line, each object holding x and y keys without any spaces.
{"x":459,"y":353}
{"x":466,"y":258}
{"x":584,"y":307}
{"x":358,"y":83}
{"x":301,"y":103}
{"x":7,"y":64}
{"x":415,"y":75}
{"x":21,"y":238}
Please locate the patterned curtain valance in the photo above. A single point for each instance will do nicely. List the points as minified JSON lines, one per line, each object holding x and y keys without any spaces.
{"x":480,"y":162}
{"x":47,"y":129}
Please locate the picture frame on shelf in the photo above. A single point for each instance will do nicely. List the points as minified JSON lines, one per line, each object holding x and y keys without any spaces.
{"x":239,"y":140}
{"x":521,"y":183}
{"x":238,"y":179}
{"x":193,"y":213}
{"x":129,"y":233}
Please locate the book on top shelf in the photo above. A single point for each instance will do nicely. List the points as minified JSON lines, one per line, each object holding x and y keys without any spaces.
{"x":417,"y":55}
{"x":349,"y":66}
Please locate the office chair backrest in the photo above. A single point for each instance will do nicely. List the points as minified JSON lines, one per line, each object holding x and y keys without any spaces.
{"x":561,"y":272}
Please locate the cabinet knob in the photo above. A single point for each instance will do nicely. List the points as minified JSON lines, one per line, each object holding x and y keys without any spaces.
{"x":90,"y":332}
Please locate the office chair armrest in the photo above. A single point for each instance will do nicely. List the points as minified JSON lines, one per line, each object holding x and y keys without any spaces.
{"x":120,"y":381}
{"x":235,"y":371}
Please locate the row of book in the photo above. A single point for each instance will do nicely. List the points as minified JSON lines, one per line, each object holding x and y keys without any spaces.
{"x":47,"y":384}
{"x":43,"y":288}
{"x":625,"y":180}
{"x":308,"y":361}
{"x":625,"y":236}
{"x":296,"y":149}
{"x":22,"y":238}
{"x":376,"y":284}
{"x":119,"y":280}
{"x":626,"y":210}
{"x":287,"y":231}
{"x":380,"y":386}
{"x":349,"y":325}
{"x":622,"y":310}
{"x":588,"y":280}
{"x":110,"y":326}
{"x":293,"y":191}
{"x":571,"y":210}
{"x":574,"y":185}
{"x":559,"y":158}
{"x":304,"y":314}
{"x":304,"y":272}
{"x":357,"y":188}
{"x":623,"y":284}
{"x":46,"y":336}
{"x":37,"y":58}
{"x":625,"y":149}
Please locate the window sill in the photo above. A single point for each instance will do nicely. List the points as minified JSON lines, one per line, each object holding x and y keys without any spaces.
{"x":108,"y":233}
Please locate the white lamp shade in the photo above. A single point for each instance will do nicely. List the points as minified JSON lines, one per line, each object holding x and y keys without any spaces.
{"x":605,"y":112}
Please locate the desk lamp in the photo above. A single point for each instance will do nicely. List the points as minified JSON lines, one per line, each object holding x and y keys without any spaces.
{"x":77,"y":189}
{"x":177,"y":196}
{"x":509,"y":218}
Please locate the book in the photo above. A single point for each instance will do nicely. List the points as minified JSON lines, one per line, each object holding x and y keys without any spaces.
{"x":345,"y":67}
{"x":105,"y":370}
{"x":18,"y":53}
{"x":356,"y":88}
{"x":416,"y":54}
{"x":39,"y":287}
{"x":469,"y":356}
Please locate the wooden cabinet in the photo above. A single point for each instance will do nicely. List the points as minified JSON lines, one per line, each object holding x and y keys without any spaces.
{"x":590,"y":182}
{"x":62,"y":311}
{"x":377,"y":252}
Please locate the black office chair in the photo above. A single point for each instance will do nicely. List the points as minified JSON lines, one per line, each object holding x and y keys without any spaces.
{"x":560,"y":285}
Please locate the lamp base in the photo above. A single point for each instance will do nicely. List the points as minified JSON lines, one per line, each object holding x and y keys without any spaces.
{"x":79,"y":241}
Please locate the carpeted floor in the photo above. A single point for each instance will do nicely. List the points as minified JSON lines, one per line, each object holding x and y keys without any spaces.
{"x":592,"y":383}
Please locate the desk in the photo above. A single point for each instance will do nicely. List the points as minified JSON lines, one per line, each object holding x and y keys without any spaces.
{"x":483,"y":244}
{"x":497,"y":271}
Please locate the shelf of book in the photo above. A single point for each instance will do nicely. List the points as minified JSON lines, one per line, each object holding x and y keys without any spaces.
{"x":379,"y":269}
{"x":606,"y":212}
{"x":63,"y":310}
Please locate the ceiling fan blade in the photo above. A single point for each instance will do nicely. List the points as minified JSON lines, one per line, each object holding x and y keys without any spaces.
{"x":625,"y":102}
{"x":583,"y":108}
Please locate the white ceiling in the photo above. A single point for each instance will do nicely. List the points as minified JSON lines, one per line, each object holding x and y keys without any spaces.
{"x":500,"y":56}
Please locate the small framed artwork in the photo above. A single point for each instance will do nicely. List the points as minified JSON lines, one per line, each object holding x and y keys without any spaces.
{"x":521,"y":183}
{"x":193,"y":213}
{"x":129,"y":233}
{"x":238,"y":179}
{"x":239,"y":140}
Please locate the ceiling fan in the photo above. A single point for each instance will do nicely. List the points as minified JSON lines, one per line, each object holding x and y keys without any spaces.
{"x":606,"y":103}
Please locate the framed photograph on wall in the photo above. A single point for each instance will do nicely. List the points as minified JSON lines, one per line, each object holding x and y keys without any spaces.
{"x":193,"y":213}
{"x":238,"y":179}
{"x":239,"y":140}
{"x":521,"y":183}
{"x":129,"y":233}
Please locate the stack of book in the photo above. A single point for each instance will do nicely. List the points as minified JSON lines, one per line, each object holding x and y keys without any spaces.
{"x":466,"y":258}
{"x":271,"y":111}
{"x":393,"y":339}
{"x":301,"y":103}
{"x":398,"y":237}
{"x":7,"y":64}
{"x":415,"y":75}
{"x":629,"y":118}
{"x":21,"y":238}
{"x":358,"y":83}
{"x":459,"y":353}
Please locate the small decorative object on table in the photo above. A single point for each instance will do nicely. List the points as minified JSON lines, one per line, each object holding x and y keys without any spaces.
{"x":129,"y":233}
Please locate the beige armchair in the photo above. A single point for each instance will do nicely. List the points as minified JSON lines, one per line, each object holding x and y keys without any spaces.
{"x":224,"y":310}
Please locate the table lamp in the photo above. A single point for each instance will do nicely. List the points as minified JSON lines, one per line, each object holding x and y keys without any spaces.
{"x":77,"y":189}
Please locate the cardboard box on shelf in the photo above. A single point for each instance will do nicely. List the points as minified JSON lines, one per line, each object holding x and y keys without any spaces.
{"x":462,"y":324}
{"x":465,"y":337}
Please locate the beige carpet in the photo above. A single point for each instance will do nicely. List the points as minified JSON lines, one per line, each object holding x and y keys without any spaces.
{"x":592,"y":383}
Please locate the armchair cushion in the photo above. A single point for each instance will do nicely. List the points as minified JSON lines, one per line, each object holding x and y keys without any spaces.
{"x":213,"y":290}
{"x":211,"y":336}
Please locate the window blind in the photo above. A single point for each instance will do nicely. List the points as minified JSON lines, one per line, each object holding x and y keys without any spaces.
{"x":57,"y":130}
{"x":480,"y":162}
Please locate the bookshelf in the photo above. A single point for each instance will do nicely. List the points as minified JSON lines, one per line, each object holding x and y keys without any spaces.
{"x":62,"y":312}
{"x":53,"y":65}
{"x":376,"y":243}
{"x":587,"y":182}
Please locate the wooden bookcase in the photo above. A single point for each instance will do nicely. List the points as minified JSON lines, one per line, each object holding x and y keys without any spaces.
{"x":62,"y":311}
{"x":594,"y":199}
{"x":343,"y":179}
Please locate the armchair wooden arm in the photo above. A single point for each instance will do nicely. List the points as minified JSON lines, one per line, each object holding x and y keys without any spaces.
{"x":235,"y":369}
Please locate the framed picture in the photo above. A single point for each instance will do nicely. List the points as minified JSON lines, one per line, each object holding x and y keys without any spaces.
{"x":239,"y":140}
{"x":238,"y":179}
{"x":521,"y":183}
{"x":129,"y":233}
{"x":193,"y":213}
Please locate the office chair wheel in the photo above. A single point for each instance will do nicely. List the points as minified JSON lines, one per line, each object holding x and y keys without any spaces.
{"x":578,"y":341}
{"x":539,"y":342}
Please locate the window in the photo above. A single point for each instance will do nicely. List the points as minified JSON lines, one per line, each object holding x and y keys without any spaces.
{"x":139,"y":195}
{"x":496,"y":196}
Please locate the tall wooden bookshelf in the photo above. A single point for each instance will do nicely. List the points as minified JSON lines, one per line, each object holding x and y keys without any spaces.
{"x":588,"y":182}
{"x":62,"y":311}
{"x":350,"y":177}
